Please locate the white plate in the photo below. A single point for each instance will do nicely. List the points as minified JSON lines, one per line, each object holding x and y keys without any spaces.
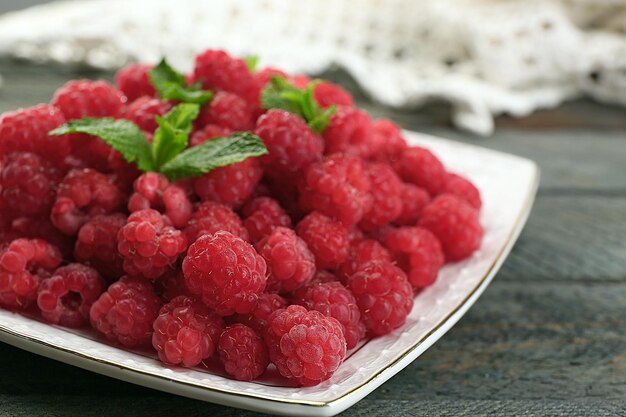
{"x":507,"y":184}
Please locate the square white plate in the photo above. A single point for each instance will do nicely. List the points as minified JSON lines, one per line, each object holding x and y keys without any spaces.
{"x":508,"y":185}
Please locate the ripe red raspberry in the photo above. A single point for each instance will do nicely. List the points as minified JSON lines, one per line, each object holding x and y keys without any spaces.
{"x":42,"y":228}
{"x":82,"y":194}
{"x":211,"y":217}
{"x":463,"y":188}
{"x":66,"y":297}
{"x":27,"y":184}
{"x":125,"y":312}
{"x":207,"y":133}
{"x":383,"y":294}
{"x":26,"y":130}
{"x":334,"y":300}
{"x":414,"y":199}
{"x":134,"y":82}
{"x":186,"y":331}
{"x":219,"y":71}
{"x":80,"y":98}
{"x":154,"y":191}
{"x":418,"y":252}
{"x":266,"y":304}
{"x":226,"y":272}
{"x":349,"y":131}
{"x":149,"y":244}
{"x":291,"y":143}
{"x":243,"y":353}
{"x":420,"y":167}
{"x":387,"y":141}
{"x":227,"y":110}
{"x":386,"y":192}
{"x":306,"y":346}
{"x":96,"y":244}
{"x":262,"y":216}
{"x":362,"y":252}
{"x":327,"y":94}
{"x":144,"y":110}
{"x":456,"y":225}
{"x":326,"y":238}
{"x":337,"y":186}
{"x":290,"y":263}
{"x":23,"y":263}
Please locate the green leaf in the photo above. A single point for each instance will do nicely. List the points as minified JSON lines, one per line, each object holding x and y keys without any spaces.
{"x":214,"y":154}
{"x":122,"y":135}
{"x":172,"y":136}
{"x":320,"y":122}
{"x":252,"y":61}
{"x":171,"y":85}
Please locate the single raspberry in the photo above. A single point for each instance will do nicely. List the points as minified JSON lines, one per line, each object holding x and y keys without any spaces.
{"x":291,"y":143}
{"x":337,"y":186}
{"x":418,"y":252}
{"x":463,"y":188}
{"x":96,"y":244}
{"x":66,"y":297}
{"x":26,"y":130}
{"x":143,"y":112}
{"x":306,"y":346}
{"x":388,"y":144}
{"x":154,"y":191}
{"x":262,"y":216}
{"x":211,"y":217}
{"x":23,"y":263}
{"x":419,"y":166}
{"x":149,"y":244}
{"x":243,"y":353}
{"x":349,"y":131}
{"x":42,"y":228}
{"x":172,"y":285}
{"x":326,"y":238}
{"x":208,"y":132}
{"x":383,"y":295}
{"x":327,"y":94}
{"x":226,"y":272}
{"x":125,"y":312}
{"x":290,"y":263}
{"x":27,"y":184}
{"x":334,"y":300}
{"x":386,"y":192}
{"x":82,"y":194}
{"x":80,"y":98}
{"x":133,"y":80}
{"x":456,"y":225}
{"x":266,"y":304}
{"x":227,"y":110}
{"x":186,"y":331}
{"x":362,"y":252}
{"x":414,"y":199}
{"x":219,"y":71}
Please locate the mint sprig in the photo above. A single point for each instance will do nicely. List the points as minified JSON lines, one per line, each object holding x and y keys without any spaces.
{"x":172,"y":135}
{"x":171,"y":85}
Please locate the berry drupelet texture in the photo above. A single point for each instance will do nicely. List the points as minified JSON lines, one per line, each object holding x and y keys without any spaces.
{"x":421,"y":167}
{"x":143,"y":112}
{"x":266,"y":304}
{"x":134,"y":81}
{"x":326,"y":238}
{"x":96,"y":244}
{"x":211,"y":217}
{"x":263,"y":215}
{"x":80,"y":98}
{"x":243,"y":353}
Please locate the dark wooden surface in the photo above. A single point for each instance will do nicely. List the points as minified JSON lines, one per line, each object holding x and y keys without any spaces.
{"x":548,"y":337}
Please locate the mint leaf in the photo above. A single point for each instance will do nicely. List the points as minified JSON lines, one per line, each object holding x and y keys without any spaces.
{"x":251,"y":61}
{"x":172,"y":136}
{"x":171,"y":85}
{"x":214,"y":154}
{"x":122,"y":135}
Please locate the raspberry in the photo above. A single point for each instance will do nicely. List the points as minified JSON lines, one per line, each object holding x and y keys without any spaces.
{"x":143,"y":112}
{"x":66,"y":297}
{"x":219,"y":71}
{"x":227,"y":110}
{"x":210,"y":218}
{"x":334,"y":300}
{"x":23,"y":263}
{"x":27,"y":184}
{"x":82,"y":194}
{"x":385,"y":189}
{"x":263,"y":215}
{"x":463,"y":188}
{"x":337,"y":186}
{"x":134,"y":81}
{"x":414,"y":199}
{"x":306,"y":346}
{"x":42,"y":228}
{"x":226,"y":272}
{"x":355,"y":235}
{"x":420,"y":167}
{"x":26,"y":130}
{"x":96,"y":244}
{"x":80,"y":98}
{"x":383,"y":295}
{"x":266,"y":304}
{"x":91,"y":152}
{"x":362,"y":252}
{"x":290,"y":263}
{"x":291,"y":143}
{"x":207,"y":133}
{"x":326,"y":238}
{"x":149,"y":244}
{"x":327,"y":94}
{"x":418,"y":252}
{"x":186,"y":331}
{"x":154,"y":191}
{"x":387,"y":141}
{"x":349,"y":131}
{"x":456,"y":225}
{"x":125,"y":312}
{"x":243,"y":353}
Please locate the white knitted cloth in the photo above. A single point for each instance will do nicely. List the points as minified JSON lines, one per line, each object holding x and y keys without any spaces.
{"x":486,"y":57}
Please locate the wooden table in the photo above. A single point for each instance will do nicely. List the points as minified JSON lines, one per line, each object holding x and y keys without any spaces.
{"x":548,"y":337}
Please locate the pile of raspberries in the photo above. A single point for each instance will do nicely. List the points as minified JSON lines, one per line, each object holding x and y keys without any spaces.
{"x":291,"y":258}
